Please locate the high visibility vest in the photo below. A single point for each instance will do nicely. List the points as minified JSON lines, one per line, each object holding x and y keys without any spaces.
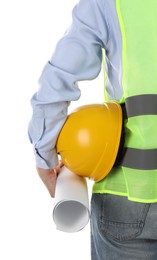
{"x":136,"y":174}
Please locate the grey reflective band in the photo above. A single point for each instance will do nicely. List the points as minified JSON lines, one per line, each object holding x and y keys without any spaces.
{"x":141,"y":105}
{"x":139,"y":159}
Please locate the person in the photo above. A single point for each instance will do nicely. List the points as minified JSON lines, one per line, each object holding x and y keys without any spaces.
{"x":123,"y":204}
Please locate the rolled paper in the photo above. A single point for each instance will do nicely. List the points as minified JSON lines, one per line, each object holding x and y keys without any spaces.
{"x":71,"y":204}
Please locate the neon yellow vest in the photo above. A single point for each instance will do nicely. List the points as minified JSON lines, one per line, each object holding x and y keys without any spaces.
{"x":136,"y":176}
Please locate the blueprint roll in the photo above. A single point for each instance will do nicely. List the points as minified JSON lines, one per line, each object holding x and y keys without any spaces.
{"x":71,"y":204}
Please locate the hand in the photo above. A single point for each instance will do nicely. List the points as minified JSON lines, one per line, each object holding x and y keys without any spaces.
{"x":49,"y":177}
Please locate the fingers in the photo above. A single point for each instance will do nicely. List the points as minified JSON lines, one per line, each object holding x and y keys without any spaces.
{"x":58,"y":167}
{"x":61,"y":164}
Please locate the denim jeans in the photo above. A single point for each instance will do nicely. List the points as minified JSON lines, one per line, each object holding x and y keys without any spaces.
{"x":122,"y":229}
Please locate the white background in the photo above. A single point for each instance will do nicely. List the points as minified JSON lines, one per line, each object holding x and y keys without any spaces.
{"x":29,"y":31}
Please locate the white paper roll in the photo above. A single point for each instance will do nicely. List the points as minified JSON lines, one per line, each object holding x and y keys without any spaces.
{"x":71,"y":204}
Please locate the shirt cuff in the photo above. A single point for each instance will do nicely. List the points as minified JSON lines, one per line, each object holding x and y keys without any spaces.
{"x":46,"y":160}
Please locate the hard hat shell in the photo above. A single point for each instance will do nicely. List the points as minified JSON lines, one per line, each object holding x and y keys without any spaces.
{"x":89,"y":140}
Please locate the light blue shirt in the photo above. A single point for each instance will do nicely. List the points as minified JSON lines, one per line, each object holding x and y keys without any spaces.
{"x":77,"y":57}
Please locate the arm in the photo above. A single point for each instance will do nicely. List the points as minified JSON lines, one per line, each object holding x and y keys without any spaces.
{"x":77,"y":57}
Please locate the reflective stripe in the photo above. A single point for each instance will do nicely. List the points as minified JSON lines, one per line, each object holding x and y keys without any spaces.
{"x":139,"y":159}
{"x":141,"y":105}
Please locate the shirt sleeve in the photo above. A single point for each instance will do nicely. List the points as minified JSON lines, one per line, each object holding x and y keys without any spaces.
{"x":77,"y":57}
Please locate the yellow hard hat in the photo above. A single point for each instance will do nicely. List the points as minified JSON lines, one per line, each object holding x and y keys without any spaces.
{"x":89,"y":140}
